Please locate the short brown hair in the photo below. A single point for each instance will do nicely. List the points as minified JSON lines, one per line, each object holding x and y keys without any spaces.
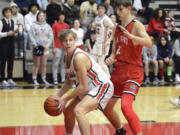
{"x":124,"y":3}
{"x":64,"y":33}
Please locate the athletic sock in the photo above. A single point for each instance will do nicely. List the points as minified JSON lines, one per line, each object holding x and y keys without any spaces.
{"x":169,"y":70}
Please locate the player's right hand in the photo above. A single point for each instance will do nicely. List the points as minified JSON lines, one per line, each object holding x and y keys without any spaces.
{"x":110,"y":61}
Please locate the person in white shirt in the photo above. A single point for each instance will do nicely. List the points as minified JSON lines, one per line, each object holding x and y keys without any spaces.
{"x":103,"y":37}
{"x":30,"y":18}
{"x":80,"y":34}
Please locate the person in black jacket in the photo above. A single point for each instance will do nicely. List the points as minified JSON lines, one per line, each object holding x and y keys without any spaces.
{"x":71,"y":12}
{"x":52,"y":12}
{"x":7,"y":46}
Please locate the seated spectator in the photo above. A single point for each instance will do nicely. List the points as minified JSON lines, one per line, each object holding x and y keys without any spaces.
{"x":29,"y":19}
{"x":90,"y":37}
{"x":176,"y":58}
{"x":150,"y":56}
{"x":7,"y":32}
{"x":40,"y":35}
{"x":170,"y":24}
{"x":156,"y":24}
{"x":143,"y":9}
{"x":52,"y":12}
{"x":24,"y":4}
{"x":42,"y":4}
{"x":88,"y":11}
{"x":71,"y":12}
{"x":110,"y":9}
{"x":58,"y":51}
{"x":165,"y":57}
{"x":19,"y":23}
{"x":80,"y":34}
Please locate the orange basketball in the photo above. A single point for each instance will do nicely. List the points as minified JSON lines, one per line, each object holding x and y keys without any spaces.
{"x":50,"y":106}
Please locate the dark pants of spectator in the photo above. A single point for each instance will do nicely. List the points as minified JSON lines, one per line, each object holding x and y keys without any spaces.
{"x":7,"y":56}
{"x":177,"y":63}
{"x":155,"y":34}
{"x":175,"y":35}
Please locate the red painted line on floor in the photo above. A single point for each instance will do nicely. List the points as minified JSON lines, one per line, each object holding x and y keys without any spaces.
{"x":148,"y":129}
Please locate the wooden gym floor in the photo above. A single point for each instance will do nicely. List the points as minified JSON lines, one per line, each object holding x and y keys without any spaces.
{"x":21,"y":112}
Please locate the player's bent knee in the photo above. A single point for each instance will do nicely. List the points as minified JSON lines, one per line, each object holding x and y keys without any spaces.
{"x":79,"y":111}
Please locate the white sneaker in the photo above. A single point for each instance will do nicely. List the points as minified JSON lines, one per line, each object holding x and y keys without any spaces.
{"x":11,"y":82}
{"x":55,"y":82}
{"x":45,"y":82}
{"x":177,"y":78}
{"x":5,"y":83}
{"x":35,"y":82}
{"x":176,"y":102}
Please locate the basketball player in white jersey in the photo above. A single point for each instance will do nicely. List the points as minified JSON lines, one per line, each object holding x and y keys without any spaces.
{"x":104,"y":25}
{"x":93,"y":88}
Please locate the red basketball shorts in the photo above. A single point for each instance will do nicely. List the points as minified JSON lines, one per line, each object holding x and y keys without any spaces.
{"x":127,"y":78}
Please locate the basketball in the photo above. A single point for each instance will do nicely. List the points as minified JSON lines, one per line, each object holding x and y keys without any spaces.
{"x":50,"y":106}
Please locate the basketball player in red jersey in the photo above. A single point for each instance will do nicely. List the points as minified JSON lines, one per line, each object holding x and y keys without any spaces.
{"x":127,"y":76}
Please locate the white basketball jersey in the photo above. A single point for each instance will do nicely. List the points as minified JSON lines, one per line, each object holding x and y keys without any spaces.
{"x":102,"y":28}
{"x":96,"y":76}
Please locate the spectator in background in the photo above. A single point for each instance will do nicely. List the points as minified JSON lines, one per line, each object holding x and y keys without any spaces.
{"x":42,"y":4}
{"x":150,"y":56}
{"x":7,"y":32}
{"x":165,"y":57}
{"x":71,"y":12}
{"x":156,"y":24}
{"x":24,"y":4}
{"x":90,"y":37}
{"x":88,"y":10}
{"x":176,"y":58}
{"x":143,"y":9}
{"x":19,"y":23}
{"x":53,"y":10}
{"x":170,"y":24}
{"x":40,"y":35}
{"x":110,"y":9}
{"x":29,"y":19}
{"x":80,"y":34}
{"x":58,"y":51}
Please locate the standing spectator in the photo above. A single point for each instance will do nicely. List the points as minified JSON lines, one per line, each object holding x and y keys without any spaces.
{"x":58,"y":51}
{"x":165,"y":57}
{"x":88,"y":10}
{"x":150,"y":56}
{"x":42,"y":4}
{"x":170,"y":24}
{"x":24,"y":4}
{"x":29,"y":19}
{"x":110,"y":9}
{"x":80,"y":34}
{"x":7,"y":33}
{"x":53,"y":10}
{"x":176,"y":58}
{"x":90,"y":37}
{"x":156,"y":24}
{"x":71,"y":12}
{"x":19,"y":23}
{"x":101,"y":47}
{"x":40,"y":35}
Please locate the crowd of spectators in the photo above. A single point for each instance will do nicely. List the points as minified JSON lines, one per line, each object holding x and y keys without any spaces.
{"x":79,"y":15}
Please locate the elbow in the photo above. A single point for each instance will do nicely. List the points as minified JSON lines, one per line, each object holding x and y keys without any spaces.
{"x":149,"y":44}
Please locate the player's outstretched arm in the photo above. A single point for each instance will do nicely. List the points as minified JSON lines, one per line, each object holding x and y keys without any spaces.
{"x":81,"y":64}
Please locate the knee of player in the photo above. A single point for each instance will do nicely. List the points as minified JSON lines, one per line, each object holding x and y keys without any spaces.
{"x":79,"y":111}
{"x":68,"y":112}
{"x":126,"y":106}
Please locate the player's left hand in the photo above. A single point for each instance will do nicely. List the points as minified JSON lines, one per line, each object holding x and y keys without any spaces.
{"x":129,"y":35}
{"x":62,"y":104}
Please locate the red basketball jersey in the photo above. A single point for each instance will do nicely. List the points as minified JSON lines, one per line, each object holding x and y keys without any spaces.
{"x":126,"y":51}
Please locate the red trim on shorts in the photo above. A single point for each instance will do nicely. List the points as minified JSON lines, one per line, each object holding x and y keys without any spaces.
{"x":102,"y":91}
{"x":80,"y":47}
{"x":93,"y":75}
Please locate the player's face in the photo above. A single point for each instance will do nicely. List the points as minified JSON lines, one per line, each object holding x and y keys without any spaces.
{"x":163,"y":41}
{"x":122,"y":12}
{"x":69,"y":43}
{"x":101,"y":11}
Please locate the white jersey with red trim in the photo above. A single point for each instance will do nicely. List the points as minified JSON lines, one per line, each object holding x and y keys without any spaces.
{"x":99,"y":85}
{"x":96,"y":75}
{"x":102,"y":28}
